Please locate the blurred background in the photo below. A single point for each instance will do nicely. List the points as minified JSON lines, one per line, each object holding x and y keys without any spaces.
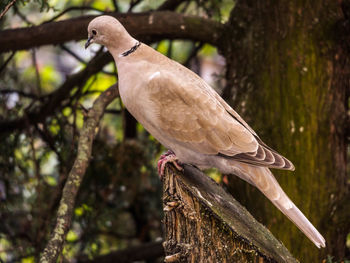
{"x":284,"y":67}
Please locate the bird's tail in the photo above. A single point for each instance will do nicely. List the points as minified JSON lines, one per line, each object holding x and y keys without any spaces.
{"x":264,"y":180}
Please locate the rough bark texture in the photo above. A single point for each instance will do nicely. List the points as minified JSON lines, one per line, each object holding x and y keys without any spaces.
{"x":288,"y":75}
{"x":203,"y":223}
{"x":75,"y":177}
{"x":145,"y":26}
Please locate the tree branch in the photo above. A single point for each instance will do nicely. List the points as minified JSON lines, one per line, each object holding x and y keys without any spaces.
{"x":3,"y":66}
{"x":170,"y":5}
{"x":146,"y":26}
{"x":7,"y":7}
{"x":73,"y":8}
{"x":53,"y":100}
{"x":203,"y":223}
{"x":75,"y":177}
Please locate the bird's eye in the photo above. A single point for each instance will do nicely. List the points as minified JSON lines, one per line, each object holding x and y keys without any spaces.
{"x":94,"y":32}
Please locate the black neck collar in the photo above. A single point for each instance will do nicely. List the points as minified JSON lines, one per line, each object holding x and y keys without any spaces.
{"x":131,"y":50}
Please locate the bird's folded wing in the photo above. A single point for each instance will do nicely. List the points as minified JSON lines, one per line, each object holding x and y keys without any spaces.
{"x":189,"y":111}
{"x":264,"y":155}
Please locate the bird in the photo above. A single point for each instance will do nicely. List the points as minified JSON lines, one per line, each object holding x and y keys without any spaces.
{"x":188,"y":117}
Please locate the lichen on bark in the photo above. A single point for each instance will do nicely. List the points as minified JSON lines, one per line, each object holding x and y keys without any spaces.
{"x":283,"y":77}
{"x":75,"y":177}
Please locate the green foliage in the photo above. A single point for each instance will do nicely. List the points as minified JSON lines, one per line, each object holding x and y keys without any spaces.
{"x":119,"y":203}
{"x":43,"y":5}
{"x":119,"y":199}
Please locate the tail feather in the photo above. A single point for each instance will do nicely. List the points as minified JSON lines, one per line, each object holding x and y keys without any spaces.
{"x":263,"y":179}
{"x":298,"y":218}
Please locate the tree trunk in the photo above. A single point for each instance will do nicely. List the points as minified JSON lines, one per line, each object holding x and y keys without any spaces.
{"x":203,"y":223}
{"x":288,"y":75}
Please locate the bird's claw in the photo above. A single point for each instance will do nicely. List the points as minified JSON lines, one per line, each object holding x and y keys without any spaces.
{"x":168,"y":157}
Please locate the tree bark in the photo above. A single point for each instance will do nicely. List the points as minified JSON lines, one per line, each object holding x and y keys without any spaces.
{"x":288,"y":75}
{"x":145,"y":26}
{"x":66,"y":207}
{"x":203,"y":223}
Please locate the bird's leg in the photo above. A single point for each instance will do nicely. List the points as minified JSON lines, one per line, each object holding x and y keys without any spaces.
{"x":168,"y":157}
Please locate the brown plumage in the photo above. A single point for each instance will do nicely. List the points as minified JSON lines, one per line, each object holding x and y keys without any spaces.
{"x":188,"y":117}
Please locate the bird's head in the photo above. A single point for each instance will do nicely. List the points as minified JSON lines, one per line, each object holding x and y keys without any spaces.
{"x":105,"y":30}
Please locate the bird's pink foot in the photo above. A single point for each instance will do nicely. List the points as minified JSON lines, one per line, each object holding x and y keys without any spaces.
{"x":168,"y":157}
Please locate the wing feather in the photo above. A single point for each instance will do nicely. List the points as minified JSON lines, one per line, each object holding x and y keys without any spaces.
{"x":195,"y":115}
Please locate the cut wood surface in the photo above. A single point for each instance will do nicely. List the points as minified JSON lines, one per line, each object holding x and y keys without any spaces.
{"x":203,"y":223}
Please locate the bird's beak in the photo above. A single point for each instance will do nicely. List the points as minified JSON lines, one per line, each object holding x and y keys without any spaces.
{"x":88,"y":42}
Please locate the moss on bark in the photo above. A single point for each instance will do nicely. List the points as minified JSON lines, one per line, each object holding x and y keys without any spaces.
{"x":285,"y":89}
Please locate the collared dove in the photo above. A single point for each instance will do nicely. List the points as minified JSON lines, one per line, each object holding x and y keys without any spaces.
{"x":188,"y":117}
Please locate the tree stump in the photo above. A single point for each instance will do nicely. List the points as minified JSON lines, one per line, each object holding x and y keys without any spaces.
{"x":203,"y":223}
